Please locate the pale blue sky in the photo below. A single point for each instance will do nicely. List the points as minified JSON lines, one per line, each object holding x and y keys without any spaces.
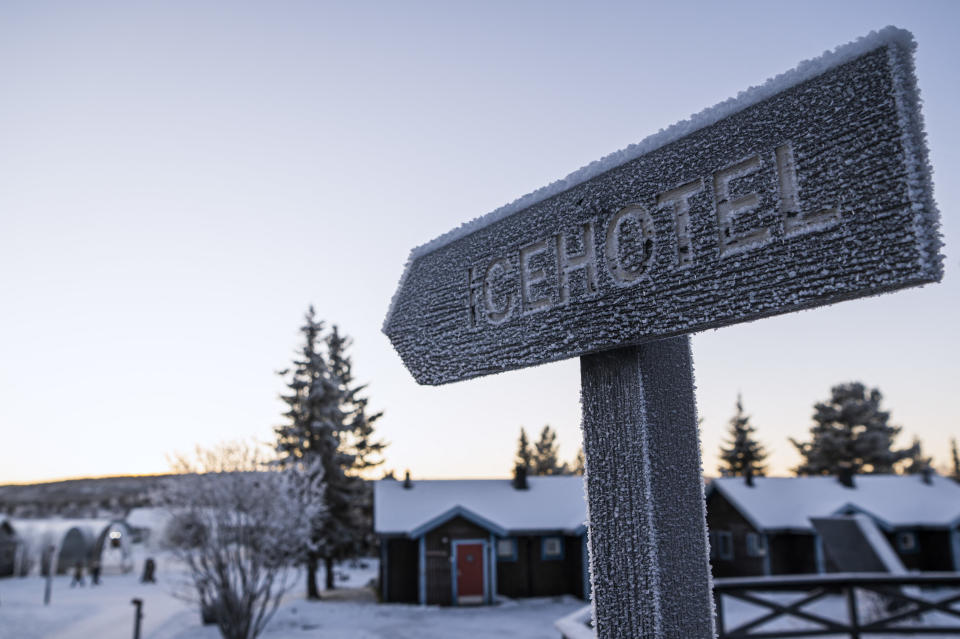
{"x":179,"y":180}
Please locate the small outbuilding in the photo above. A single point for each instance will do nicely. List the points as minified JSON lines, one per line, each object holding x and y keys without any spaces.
{"x":457,"y":542}
{"x":61,"y":544}
{"x":762,"y":525}
{"x":112,"y":549}
{"x":148,"y":524}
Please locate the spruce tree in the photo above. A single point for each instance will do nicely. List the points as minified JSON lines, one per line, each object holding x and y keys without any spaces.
{"x":357,"y":439}
{"x":956,"y":460}
{"x":308,"y":436}
{"x":546,"y":457}
{"x":850,"y":428}
{"x":524,"y":456}
{"x":324,"y":414}
{"x":742,"y":452}
{"x":358,"y":442}
{"x":917,"y":463}
{"x":579,"y":465}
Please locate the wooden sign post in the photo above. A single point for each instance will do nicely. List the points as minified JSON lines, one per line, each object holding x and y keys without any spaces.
{"x":809,"y":190}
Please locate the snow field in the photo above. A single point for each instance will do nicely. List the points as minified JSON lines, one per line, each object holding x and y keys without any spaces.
{"x":105,"y":612}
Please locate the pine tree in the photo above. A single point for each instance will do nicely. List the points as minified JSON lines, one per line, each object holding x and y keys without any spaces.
{"x":324,"y":412}
{"x":307,"y":437}
{"x":357,"y":441}
{"x":742,"y":452}
{"x":579,"y":465}
{"x":546,"y":458}
{"x":917,"y":463}
{"x":850,"y":428}
{"x":956,"y":460}
{"x":524,"y":456}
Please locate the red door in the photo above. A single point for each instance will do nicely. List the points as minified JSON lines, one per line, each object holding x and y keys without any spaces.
{"x":470,"y":573}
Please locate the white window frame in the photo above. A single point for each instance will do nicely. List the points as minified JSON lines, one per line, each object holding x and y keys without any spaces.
{"x":507,"y":543}
{"x":546,"y":554}
{"x":756,"y":544}
{"x":725,"y":545}
{"x":907,"y":541}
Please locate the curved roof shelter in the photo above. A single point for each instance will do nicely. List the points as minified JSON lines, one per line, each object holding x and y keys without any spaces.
{"x":71,"y":540}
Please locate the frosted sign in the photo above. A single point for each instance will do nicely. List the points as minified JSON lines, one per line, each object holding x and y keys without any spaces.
{"x":538,"y":276}
{"x":809,"y":190}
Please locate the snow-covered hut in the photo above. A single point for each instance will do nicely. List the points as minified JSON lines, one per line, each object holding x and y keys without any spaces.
{"x":148,"y":524}
{"x":453,"y":542}
{"x":113,"y":548}
{"x":63,"y":543}
{"x":761,"y":525}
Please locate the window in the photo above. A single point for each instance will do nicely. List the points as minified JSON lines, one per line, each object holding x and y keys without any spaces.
{"x":551,"y":548}
{"x":722,"y":545}
{"x":756,"y":545}
{"x":907,"y":541}
{"x":507,"y":549}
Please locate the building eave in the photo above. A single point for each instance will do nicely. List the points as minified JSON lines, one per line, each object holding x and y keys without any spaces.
{"x":456,"y":511}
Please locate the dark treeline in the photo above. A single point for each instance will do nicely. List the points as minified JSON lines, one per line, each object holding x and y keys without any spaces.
{"x":851,"y":432}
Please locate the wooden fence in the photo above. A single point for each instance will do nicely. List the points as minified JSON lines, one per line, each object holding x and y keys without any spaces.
{"x":854,"y":605}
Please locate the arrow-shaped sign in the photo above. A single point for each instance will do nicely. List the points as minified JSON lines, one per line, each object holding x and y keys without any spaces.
{"x":809,"y":190}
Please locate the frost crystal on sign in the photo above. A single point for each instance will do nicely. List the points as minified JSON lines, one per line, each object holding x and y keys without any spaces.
{"x":811,"y":189}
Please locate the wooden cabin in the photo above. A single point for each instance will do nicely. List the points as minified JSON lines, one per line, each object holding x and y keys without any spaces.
{"x":458,"y":542}
{"x":762,"y":526}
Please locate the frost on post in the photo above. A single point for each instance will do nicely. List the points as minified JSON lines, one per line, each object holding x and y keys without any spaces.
{"x":648,"y":538}
{"x":811,"y":189}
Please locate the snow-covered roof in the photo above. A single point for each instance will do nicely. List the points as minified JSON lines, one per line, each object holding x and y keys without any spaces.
{"x":895,"y":501}
{"x":151,"y":518}
{"x":52,"y":530}
{"x":550,"y":503}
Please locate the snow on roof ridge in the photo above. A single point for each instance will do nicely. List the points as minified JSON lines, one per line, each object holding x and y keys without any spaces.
{"x":550,"y":503}
{"x":805,"y":70}
{"x":898,"y":500}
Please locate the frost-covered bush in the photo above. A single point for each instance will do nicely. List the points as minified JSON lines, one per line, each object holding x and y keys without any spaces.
{"x":240,"y":532}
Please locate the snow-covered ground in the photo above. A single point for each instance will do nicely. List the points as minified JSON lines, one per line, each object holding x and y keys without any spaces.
{"x":350,"y":612}
{"x":106,"y":612}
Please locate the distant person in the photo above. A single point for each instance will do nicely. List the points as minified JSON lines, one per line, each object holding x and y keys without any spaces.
{"x":149,"y":570}
{"x":77,"y":575}
{"x":94,"y":573}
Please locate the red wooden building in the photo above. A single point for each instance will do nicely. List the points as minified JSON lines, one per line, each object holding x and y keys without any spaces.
{"x":456,"y":542}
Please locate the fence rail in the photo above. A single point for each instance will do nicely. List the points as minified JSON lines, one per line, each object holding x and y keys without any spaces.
{"x":890,"y":600}
{"x":870,"y":604}
{"x":576,"y":625}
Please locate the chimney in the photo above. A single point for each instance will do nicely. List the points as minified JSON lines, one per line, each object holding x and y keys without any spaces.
{"x":845,"y":474}
{"x":748,"y":476}
{"x":407,"y":484}
{"x":926,"y":474}
{"x":520,"y":477}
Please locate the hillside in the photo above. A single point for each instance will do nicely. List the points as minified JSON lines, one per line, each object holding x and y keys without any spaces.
{"x":87,"y":497}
